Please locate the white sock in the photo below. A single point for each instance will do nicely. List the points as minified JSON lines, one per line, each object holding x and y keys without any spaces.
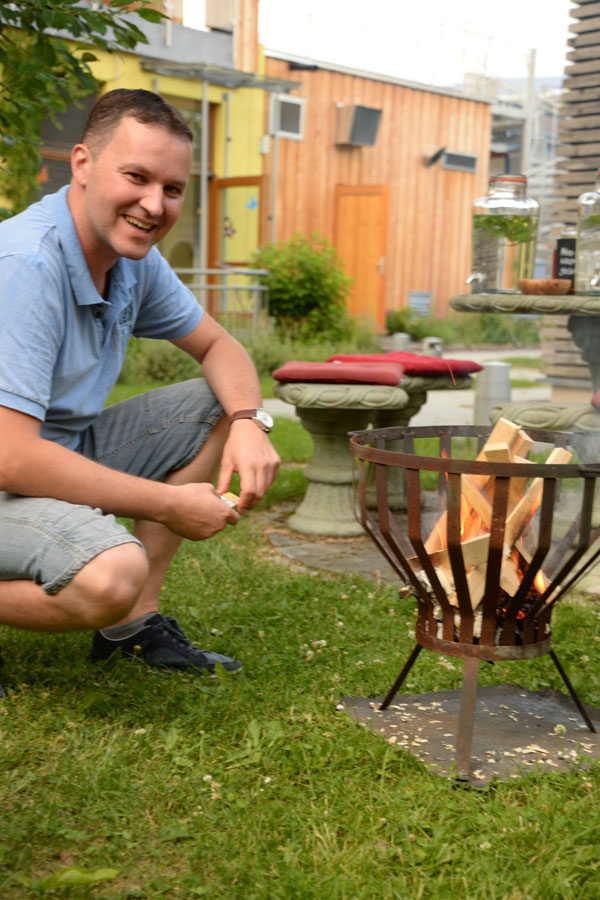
{"x":120,"y":632}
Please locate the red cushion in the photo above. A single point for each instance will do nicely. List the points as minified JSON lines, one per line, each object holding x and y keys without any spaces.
{"x":414,"y":363}
{"x":595,"y":401}
{"x":341,"y":372}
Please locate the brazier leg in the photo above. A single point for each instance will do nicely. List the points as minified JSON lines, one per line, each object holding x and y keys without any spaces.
{"x":396,"y":686}
{"x":464,"y":737}
{"x":572,"y":692}
{"x":328,"y":505}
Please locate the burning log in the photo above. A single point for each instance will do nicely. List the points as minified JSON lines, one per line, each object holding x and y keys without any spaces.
{"x":527,"y":507}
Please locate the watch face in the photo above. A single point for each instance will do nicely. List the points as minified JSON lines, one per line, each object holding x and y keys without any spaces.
{"x":264,"y":418}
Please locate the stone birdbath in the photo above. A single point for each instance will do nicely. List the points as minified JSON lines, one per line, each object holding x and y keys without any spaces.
{"x":584,"y":325}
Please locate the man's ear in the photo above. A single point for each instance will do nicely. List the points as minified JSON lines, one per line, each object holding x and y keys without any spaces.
{"x":81,"y":162}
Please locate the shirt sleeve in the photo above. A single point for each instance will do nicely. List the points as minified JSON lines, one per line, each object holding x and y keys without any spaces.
{"x":30,"y":334}
{"x":168,"y":309}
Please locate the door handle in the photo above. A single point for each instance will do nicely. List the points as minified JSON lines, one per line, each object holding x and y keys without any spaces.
{"x":381,"y":265}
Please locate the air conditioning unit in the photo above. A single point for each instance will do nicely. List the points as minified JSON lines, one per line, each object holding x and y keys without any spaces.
{"x":356,"y":126}
{"x":458,"y":161}
{"x":286,"y":116}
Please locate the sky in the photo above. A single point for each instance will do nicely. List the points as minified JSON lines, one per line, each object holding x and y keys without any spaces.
{"x":434,"y":41}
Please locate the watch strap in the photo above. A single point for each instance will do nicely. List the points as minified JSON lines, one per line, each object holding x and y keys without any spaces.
{"x":253,"y":414}
{"x":242,"y":414}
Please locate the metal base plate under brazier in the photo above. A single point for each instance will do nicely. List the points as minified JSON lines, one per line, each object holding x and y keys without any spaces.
{"x":516,"y":732}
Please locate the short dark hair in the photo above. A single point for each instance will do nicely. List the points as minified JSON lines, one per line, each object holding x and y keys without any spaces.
{"x":144,"y":106}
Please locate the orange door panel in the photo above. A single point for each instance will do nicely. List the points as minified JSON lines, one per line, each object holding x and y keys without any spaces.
{"x":361,"y":216}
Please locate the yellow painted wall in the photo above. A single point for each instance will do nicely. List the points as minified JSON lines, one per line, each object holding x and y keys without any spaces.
{"x":246,"y":109}
{"x":237,"y":157}
{"x":246,"y":129}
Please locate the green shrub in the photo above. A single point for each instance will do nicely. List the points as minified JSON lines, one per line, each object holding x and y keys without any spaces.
{"x":308,"y":287}
{"x":159,"y":361}
{"x":399,"y":320}
{"x":469,"y":329}
{"x":269,"y":352}
{"x":495,"y":328}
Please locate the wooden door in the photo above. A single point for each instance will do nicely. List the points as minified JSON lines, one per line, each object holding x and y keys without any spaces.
{"x":361,"y":217}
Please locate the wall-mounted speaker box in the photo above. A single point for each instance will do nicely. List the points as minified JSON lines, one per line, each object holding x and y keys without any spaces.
{"x":459,"y":161}
{"x":356,"y":126}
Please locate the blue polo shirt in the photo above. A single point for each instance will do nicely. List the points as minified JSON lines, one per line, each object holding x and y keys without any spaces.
{"x":62,"y":345}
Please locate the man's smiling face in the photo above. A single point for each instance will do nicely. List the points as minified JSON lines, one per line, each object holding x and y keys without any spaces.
{"x":132,"y":191}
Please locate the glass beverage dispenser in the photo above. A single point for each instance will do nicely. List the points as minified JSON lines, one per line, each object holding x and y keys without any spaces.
{"x":504,"y":236}
{"x":587,"y":259}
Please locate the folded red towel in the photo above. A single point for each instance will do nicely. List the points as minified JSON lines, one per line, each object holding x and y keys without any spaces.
{"x":341,"y":372}
{"x":414,"y":363}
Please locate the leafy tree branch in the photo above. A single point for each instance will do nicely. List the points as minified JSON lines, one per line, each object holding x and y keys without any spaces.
{"x":42,"y":72}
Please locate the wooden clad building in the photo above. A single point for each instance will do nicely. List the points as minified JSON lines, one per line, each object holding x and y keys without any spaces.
{"x":396,"y":201}
{"x":562,"y":361}
{"x":580,"y":112}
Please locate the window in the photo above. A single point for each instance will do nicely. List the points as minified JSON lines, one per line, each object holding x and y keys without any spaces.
{"x":287,"y":116}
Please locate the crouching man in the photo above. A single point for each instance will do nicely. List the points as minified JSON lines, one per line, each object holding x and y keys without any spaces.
{"x":79,"y":274}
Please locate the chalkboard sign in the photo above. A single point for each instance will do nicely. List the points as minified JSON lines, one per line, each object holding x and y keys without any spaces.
{"x":565,"y":259}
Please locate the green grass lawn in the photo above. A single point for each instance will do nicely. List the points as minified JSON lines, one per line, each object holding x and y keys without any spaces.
{"x":123,"y":391}
{"x":254,"y":786}
{"x":523,"y":362}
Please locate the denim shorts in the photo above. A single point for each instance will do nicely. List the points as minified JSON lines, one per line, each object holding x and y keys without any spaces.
{"x":48,"y":541}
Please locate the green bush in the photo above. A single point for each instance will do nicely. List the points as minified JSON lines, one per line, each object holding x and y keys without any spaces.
{"x":408,"y":321}
{"x":308,"y":288}
{"x":495,"y":328}
{"x":269,"y":352}
{"x":469,"y":329}
{"x":399,"y":320}
{"x":159,"y":361}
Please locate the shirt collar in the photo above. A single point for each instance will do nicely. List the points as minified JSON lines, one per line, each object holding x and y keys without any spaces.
{"x":84,"y":289}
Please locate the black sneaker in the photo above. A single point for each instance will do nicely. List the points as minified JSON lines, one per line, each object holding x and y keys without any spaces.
{"x":162,"y":643}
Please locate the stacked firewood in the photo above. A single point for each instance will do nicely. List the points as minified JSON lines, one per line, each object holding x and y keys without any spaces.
{"x":507,"y":443}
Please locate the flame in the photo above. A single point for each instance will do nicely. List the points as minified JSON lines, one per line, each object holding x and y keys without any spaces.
{"x":464,"y":515}
{"x":471,"y":523}
{"x":539,"y":583}
{"x":440,"y":535}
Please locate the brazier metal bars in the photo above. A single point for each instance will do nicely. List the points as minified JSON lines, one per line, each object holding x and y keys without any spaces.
{"x":513,"y":628}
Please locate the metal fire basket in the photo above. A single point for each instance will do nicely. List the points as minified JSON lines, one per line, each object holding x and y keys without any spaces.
{"x":563,"y":546}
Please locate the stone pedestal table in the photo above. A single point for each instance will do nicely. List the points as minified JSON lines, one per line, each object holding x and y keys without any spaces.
{"x":329,"y":412}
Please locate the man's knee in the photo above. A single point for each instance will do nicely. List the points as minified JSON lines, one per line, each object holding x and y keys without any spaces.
{"x":107,"y":587}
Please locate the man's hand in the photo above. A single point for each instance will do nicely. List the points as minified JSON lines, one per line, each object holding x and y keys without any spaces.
{"x":232,"y":376}
{"x":197,"y":511}
{"x":249,"y":452}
